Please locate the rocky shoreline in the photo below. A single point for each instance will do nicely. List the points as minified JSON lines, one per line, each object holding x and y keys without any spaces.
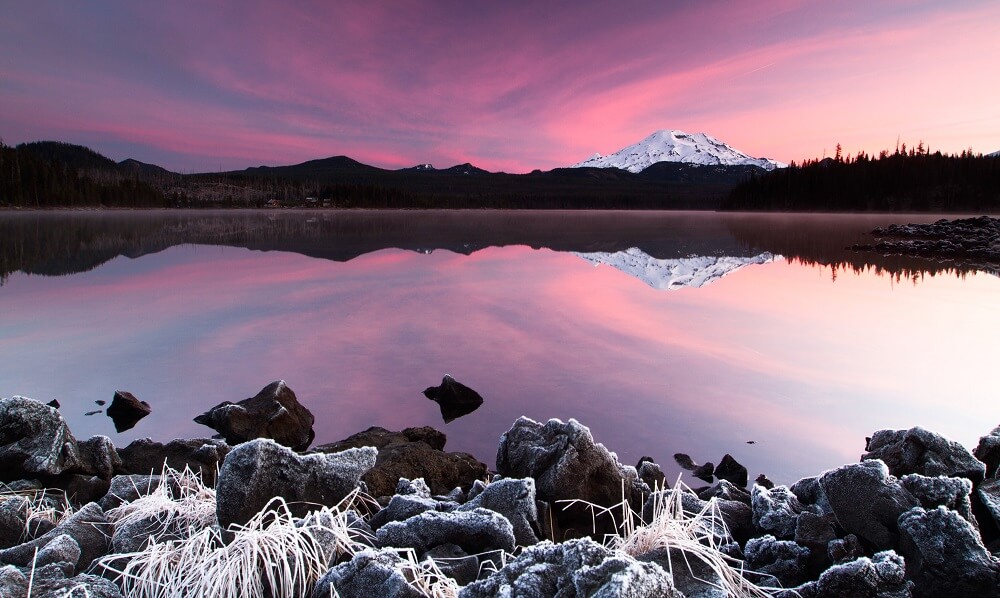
{"x":969,"y":241}
{"x":386,"y":513}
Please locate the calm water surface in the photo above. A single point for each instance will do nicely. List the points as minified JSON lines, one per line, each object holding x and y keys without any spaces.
{"x":805,"y":354}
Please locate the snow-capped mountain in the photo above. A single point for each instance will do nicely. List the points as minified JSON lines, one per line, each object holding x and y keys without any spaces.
{"x":673,"y":274}
{"x":677,"y":146}
{"x":995,"y":154}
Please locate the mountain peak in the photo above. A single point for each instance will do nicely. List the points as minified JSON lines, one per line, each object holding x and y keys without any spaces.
{"x":672,"y":145}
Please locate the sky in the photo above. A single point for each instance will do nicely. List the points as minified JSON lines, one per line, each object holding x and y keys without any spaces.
{"x":508,"y":86}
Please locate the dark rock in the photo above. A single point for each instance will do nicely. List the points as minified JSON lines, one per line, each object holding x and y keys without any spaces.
{"x":61,"y":549}
{"x":413,"y":453}
{"x":574,"y":568}
{"x":127,"y":488}
{"x":257,"y":471}
{"x":202,"y":455}
{"x":81,"y":586}
{"x":845,"y":549}
{"x":704,"y":472}
{"x":944,"y":555}
{"x":867,"y":501}
{"x":685,"y":461}
{"x":13,"y":583}
{"x":101,"y":402}
{"x":881,"y":576}
{"x":273,"y":413}
{"x":763,"y":481}
{"x":988,"y":494}
{"x":98,"y":457}
{"x":920,"y":451}
{"x":567,"y":464}
{"x":475,"y":531}
{"x":725,"y":490}
{"x":815,"y":531}
{"x":417,"y":487}
{"x":88,"y":527}
{"x":809,"y":492}
{"x":730,"y":470}
{"x":783,"y":559}
{"x":651,"y":474}
{"x":14,"y":512}
{"x":776,"y":511}
{"x":988,"y":451}
{"x":455,"y":563}
{"x":941,"y":491}
{"x":515,"y":500}
{"x":126,"y":410}
{"x":34,"y":440}
{"x":54,"y":403}
{"x":369,"y":573}
{"x":692,"y":576}
{"x":454,"y":398}
{"x":736,"y":516}
{"x":81,"y":489}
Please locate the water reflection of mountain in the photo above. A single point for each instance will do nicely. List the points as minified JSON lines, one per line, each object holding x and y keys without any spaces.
{"x":57,"y":243}
{"x":676,"y":273}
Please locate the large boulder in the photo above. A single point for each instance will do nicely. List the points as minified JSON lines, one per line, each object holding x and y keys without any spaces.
{"x":145,"y":457}
{"x":273,"y":413}
{"x":776,"y":510}
{"x":783,"y":559}
{"x":34,"y":440}
{"x":567,"y":464}
{"x":988,"y":494}
{"x":944,"y":555}
{"x":941,"y":491}
{"x":126,"y":410}
{"x":921,"y":451}
{"x":412,"y":453}
{"x":579,"y":567}
{"x":881,"y":576}
{"x":988,"y":451}
{"x":732,"y":471}
{"x":98,"y":457}
{"x":476,"y":531}
{"x":257,"y":471}
{"x":369,"y":573}
{"x":867,"y":501}
{"x":454,"y":398}
{"x":88,"y":527}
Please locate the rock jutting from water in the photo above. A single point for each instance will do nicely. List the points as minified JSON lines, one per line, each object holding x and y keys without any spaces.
{"x":917,"y":516}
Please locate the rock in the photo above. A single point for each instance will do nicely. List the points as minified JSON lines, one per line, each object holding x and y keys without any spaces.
{"x":454,"y":398}
{"x":202,"y":455}
{"x":736,"y":517}
{"x":515,"y":500}
{"x":920,"y":451}
{"x":763,"y":481}
{"x":776,"y":510}
{"x":867,"y":501}
{"x":88,"y":527}
{"x":126,"y":410}
{"x":475,"y":531}
{"x":401,"y":507}
{"x":845,"y":549}
{"x":417,"y":487}
{"x":651,"y":474}
{"x":369,"y":573}
{"x":455,"y":563}
{"x":731,"y":471}
{"x":692,"y":576}
{"x":988,"y":451}
{"x":54,"y":403}
{"x":273,"y":413}
{"x":257,"y":471}
{"x":944,"y":555}
{"x":81,"y":489}
{"x":98,"y":457}
{"x":13,"y":583}
{"x":783,"y":559}
{"x":34,"y":440}
{"x":941,"y":491}
{"x":413,"y":453}
{"x":567,"y":464}
{"x":989,"y":495}
{"x":13,"y":520}
{"x":704,"y":472}
{"x":81,"y":586}
{"x":881,"y":576}
{"x":127,"y":488}
{"x":725,"y":490}
{"x":61,"y":549}
{"x":685,"y":461}
{"x":815,"y":531}
{"x":574,"y":568}
{"x":809,"y":492}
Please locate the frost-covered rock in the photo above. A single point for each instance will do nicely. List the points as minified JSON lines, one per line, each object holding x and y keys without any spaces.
{"x":941,"y":491}
{"x":651,"y":473}
{"x":34,"y":440}
{"x":401,"y":507}
{"x":88,"y":527}
{"x":515,"y":500}
{"x":692,"y":576}
{"x":921,"y":451}
{"x":567,"y":464}
{"x":776,"y":510}
{"x":944,"y":555}
{"x":844,"y":550}
{"x":815,"y":531}
{"x":98,"y":457}
{"x":476,"y":531}
{"x":881,"y":576}
{"x":455,"y":563}
{"x":809,"y":492}
{"x":369,"y":573}
{"x":726,"y":490}
{"x":574,"y":568}
{"x":273,"y":413}
{"x":783,"y":559}
{"x":988,"y":451}
{"x":61,"y":549}
{"x":417,"y":487}
{"x":127,"y":488}
{"x":202,"y":455}
{"x":13,"y":520}
{"x":989,"y":495}
{"x":867,"y":501}
{"x":257,"y":471}
{"x":731,"y":470}
{"x":454,"y":398}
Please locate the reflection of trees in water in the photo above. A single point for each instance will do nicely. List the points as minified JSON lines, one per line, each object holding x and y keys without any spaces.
{"x":824,"y":240}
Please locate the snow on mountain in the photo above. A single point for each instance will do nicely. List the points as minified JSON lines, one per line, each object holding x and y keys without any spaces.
{"x":677,"y":146}
{"x":673,"y":274}
{"x":995,"y":154}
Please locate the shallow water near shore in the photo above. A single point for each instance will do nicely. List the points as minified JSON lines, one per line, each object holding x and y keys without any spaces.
{"x":697,"y":333}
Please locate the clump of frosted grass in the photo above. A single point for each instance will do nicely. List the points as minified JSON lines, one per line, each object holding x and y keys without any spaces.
{"x":180,"y":503}
{"x":39,"y":505}
{"x":426,"y":576}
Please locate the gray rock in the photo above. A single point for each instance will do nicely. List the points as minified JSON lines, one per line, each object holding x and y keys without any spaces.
{"x":455,"y":563}
{"x":734,"y":521}
{"x":783,"y":559}
{"x":567,"y":464}
{"x":941,"y":491}
{"x":651,"y":473}
{"x":921,"y":451}
{"x":13,"y":583}
{"x":844,"y":550}
{"x":98,"y":457}
{"x":81,"y":586}
{"x":417,"y":487}
{"x":515,"y":500}
{"x":273,"y":413}
{"x":573,"y":568}
{"x":881,"y":576}
{"x":726,"y":490}
{"x":81,"y":489}
{"x":988,"y":451}
{"x":692,"y":576}
{"x":809,"y":492}
{"x":369,"y":573}
{"x":775,"y":511}
{"x":127,"y":488}
{"x":945,"y":556}
{"x":257,"y":471}
{"x":476,"y":531}
{"x":867,"y":501}
{"x":202,"y":455}
{"x":34,"y":440}
{"x":989,"y":495}
{"x":815,"y":531}
{"x":126,"y":410}
{"x":88,"y":527}
{"x":401,"y":507}
{"x":732,"y":471}
{"x":13,"y":521}
{"x":61,"y":549}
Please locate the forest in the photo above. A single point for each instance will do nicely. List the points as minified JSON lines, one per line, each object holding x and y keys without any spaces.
{"x":913,"y":180}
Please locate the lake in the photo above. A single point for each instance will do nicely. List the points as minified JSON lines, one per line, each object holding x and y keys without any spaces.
{"x":662,"y":332}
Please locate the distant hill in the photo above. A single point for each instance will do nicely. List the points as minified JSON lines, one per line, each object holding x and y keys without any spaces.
{"x":74,"y":156}
{"x":143,"y":169}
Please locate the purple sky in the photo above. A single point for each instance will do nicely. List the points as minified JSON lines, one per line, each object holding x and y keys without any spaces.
{"x":505,"y":85}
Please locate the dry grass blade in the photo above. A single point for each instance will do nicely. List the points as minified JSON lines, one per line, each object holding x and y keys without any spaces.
{"x":180,"y":502}
{"x":42,"y":504}
{"x":426,"y":576}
